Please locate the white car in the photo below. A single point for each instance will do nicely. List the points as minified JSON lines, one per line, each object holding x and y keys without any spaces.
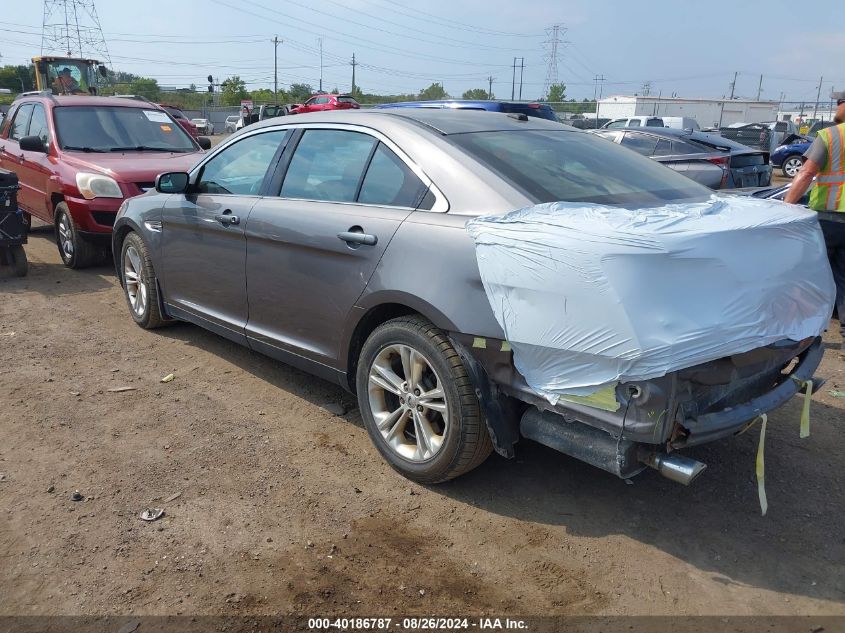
{"x":204,"y":126}
{"x":232,"y":124}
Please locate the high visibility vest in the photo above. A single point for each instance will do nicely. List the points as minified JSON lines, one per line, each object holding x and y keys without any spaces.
{"x":829,"y":192}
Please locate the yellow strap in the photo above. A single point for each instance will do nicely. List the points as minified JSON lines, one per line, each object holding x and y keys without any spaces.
{"x":761,"y":466}
{"x":805,"y":412}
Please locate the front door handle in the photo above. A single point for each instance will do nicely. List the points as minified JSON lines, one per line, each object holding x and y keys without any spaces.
{"x":358,"y":237}
{"x":227,"y":219}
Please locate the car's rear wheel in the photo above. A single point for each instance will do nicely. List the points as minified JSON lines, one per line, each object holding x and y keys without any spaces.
{"x":139,"y":283}
{"x":791,"y":166}
{"x":418,"y":403}
{"x":75,"y":250}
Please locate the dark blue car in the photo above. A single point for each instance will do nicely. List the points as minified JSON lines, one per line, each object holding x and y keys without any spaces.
{"x":790,"y":156}
{"x":539,"y":110}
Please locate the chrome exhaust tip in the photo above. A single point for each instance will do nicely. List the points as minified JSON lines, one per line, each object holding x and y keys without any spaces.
{"x":675,"y":467}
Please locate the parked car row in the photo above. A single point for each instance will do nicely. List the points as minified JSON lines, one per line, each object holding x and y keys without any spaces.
{"x":310,"y":239}
{"x":709,"y":159}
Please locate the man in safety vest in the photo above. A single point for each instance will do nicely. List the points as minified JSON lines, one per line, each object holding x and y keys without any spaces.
{"x":825,"y":161}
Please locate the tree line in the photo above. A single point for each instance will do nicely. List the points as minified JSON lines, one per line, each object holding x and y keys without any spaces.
{"x":233,"y":90}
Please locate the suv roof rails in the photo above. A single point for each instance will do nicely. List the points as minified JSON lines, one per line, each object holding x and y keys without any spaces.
{"x":135,"y":97}
{"x":37,"y":93}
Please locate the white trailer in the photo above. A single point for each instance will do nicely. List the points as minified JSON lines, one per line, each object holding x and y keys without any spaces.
{"x":708,"y":112}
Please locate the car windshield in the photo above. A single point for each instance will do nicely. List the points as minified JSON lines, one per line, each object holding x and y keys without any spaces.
{"x":568,"y":166}
{"x":114,"y":128}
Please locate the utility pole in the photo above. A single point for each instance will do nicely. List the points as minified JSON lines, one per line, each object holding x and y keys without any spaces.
{"x":760,"y":88}
{"x":521,"y":69}
{"x":818,"y":96}
{"x":320,"y":41}
{"x":596,"y":89}
{"x":513,"y":80}
{"x":354,"y":63}
{"x":722,"y":109}
{"x":275,"y":41}
{"x":490,"y":87}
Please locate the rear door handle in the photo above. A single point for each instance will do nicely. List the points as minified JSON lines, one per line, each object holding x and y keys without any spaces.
{"x":355,"y":237}
{"x":227,"y":219}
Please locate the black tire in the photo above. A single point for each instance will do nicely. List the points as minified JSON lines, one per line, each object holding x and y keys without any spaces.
{"x":792,"y":163}
{"x":150,"y":316}
{"x":75,"y":251}
{"x":466,"y":442}
{"x":20,"y":266}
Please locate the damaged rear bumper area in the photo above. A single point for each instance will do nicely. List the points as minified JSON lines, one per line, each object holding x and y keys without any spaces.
{"x":642,"y":424}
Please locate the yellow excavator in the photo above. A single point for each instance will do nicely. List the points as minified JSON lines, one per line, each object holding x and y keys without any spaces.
{"x":68,"y":75}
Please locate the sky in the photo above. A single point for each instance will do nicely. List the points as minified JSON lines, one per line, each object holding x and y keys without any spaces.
{"x":690,"y":48}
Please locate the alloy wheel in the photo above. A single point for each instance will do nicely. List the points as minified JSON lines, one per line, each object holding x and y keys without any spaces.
{"x":792,"y":166}
{"x":65,"y":237}
{"x":408,"y":402}
{"x":136,"y":288}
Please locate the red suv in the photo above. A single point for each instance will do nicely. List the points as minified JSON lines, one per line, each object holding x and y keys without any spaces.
{"x":78,"y":158}
{"x":318,"y":103}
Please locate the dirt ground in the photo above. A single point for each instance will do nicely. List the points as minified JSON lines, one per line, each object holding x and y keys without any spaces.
{"x":285,"y":508}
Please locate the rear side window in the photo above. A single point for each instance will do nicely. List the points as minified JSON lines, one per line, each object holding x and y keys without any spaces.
{"x":654,"y":123}
{"x":635,"y":123}
{"x":346,"y":100}
{"x":641,"y":143}
{"x":390,"y":182}
{"x":664,"y":148}
{"x":571,"y":166}
{"x":684,"y":147}
{"x":328,"y":165}
{"x":21,"y":122}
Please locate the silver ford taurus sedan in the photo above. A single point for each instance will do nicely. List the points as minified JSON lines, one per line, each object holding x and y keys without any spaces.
{"x":336,"y":242}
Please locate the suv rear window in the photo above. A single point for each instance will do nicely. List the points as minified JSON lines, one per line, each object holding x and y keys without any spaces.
{"x":115,"y":129}
{"x":577,"y":167}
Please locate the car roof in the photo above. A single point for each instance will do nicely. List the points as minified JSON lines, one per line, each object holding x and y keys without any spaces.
{"x":444,"y":122}
{"x":88,"y":100}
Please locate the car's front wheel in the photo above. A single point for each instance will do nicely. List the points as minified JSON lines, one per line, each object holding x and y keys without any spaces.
{"x":791,"y":166}
{"x":76,"y":251}
{"x":139,"y":283}
{"x":418,"y":403}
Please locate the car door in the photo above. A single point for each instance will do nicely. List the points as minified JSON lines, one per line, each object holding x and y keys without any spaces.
{"x":13,"y":157}
{"x":310,"y":105}
{"x":37,"y":167}
{"x":203,"y":245}
{"x":312,"y":249}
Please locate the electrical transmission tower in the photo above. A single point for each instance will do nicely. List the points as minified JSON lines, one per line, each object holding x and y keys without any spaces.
{"x":72,"y":28}
{"x":555,"y":34}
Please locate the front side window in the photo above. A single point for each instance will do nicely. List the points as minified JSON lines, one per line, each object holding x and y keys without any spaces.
{"x":635,"y":123}
{"x":119,"y":129}
{"x":21,"y":122}
{"x":38,"y":124}
{"x":328,"y":165}
{"x":571,"y":166}
{"x":615,"y":125}
{"x":241,"y":167}
{"x":389,"y":182}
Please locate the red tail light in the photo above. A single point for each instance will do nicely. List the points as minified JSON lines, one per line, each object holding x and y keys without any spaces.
{"x":724,"y":162}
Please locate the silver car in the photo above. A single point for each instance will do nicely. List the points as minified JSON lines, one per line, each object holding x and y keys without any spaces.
{"x":336,"y":242}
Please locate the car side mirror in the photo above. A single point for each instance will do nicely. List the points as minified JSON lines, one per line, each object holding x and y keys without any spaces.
{"x":33,"y":144}
{"x":172,"y":182}
{"x":204,"y":142}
